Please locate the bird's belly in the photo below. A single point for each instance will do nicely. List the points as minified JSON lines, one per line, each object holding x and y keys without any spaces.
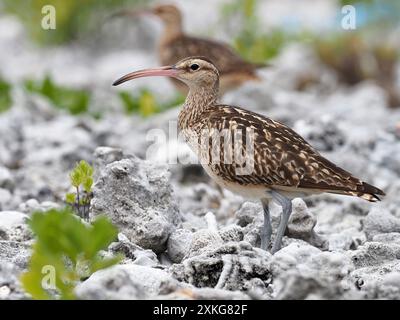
{"x":256,"y":192}
{"x":246,"y":191}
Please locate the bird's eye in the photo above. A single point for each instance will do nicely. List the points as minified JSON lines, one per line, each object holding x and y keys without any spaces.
{"x":194,"y":66}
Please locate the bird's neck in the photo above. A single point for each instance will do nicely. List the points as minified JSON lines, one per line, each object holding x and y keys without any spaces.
{"x":172,"y":30}
{"x":198,"y":102}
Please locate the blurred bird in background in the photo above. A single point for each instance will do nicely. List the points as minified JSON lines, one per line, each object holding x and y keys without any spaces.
{"x":174,"y":45}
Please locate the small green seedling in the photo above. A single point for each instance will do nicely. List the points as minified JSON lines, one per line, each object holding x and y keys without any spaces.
{"x":81,"y":178}
{"x":66,"y":251}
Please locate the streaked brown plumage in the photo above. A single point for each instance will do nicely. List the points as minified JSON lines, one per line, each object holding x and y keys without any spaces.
{"x":284,"y":164}
{"x":283,"y":159}
{"x":175,"y":45}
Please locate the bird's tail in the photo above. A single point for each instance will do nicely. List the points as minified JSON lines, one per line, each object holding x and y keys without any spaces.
{"x":364,"y":191}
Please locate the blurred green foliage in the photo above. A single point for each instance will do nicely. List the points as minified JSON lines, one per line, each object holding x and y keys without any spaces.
{"x":251,"y":42}
{"x":73,"y":17}
{"x":145,"y":104}
{"x":81,"y":178}
{"x":355,"y":59}
{"x":65,"y":252}
{"x":344,"y":2}
{"x":5,"y":95}
{"x":76,"y":101}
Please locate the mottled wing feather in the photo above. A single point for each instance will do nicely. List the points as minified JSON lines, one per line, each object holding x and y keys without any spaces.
{"x":225,"y":59}
{"x":283,"y":158}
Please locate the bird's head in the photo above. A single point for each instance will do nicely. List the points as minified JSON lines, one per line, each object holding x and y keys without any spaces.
{"x":193,"y":71}
{"x":168,"y":13}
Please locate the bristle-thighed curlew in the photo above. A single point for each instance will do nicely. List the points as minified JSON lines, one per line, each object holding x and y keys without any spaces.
{"x":250,"y":154}
{"x":174,"y":45}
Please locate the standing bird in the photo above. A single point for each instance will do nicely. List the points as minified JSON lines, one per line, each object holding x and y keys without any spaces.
{"x":279,"y":164}
{"x":175,"y":45}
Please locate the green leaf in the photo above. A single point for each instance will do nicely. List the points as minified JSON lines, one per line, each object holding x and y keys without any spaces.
{"x":70,"y":198}
{"x":76,"y":178}
{"x":87,"y":184}
{"x":131,"y":105}
{"x":85,"y":168}
{"x":70,"y":247}
{"x":82,"y":175}
{"x":102,"y":234}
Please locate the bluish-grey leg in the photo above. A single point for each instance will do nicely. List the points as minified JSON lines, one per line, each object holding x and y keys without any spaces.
{"x":286,"y":205}
{"x":266,"y":229}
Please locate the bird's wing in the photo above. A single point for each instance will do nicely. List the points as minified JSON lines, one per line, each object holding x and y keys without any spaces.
{"x":281,"y":157}
{"x":222,"y":55}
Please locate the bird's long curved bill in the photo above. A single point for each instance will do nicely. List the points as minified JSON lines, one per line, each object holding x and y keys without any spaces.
{"x":168,"y":71}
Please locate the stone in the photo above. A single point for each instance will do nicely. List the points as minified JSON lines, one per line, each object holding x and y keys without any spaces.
{"x":133,"y":253}
{"x":6,"y":179}
{"x":291,"y":256}
{"x":33,"y":205}
{"x":228,"y":266}
{"x":324,"y":134}
{"x":5,"y":199}
{"x":123,"y":282}
{"x":391,"y":237}
{"x":231,"y":233}
{"x":13,"y":226}
{"x":15,"y":252}
{"x":347,"y":239}
{"x":374,"y":254}
{"x":179,"y":243}
{"x":204,"y":240}
{"x":138,"y":198}
{"x":378,"y":221}
{"x":10,"y":287}
{"x":316,"y":275}
{"x":247,"y":213}
{"x":106,"y":155}
{"x":301,"y":287}
{"x":301,"y":225}
{"x":389,"y":287}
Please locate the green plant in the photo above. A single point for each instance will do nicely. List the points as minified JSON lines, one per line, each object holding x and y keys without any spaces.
{"x":81,"y":178}
{"x":74,"y":18}
{"x":76,"y":101}
{"x":65,"y":252}
{"x":346,"y":54}
{"x":252,"y":43}
{"x":145,"y":103}
{"x":5,"y":96}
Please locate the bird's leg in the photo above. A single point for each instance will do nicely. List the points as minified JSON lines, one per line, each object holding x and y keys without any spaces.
{"x":266,"y":229}
{"x":286,"y":205}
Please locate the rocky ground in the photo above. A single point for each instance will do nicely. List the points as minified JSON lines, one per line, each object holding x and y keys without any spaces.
{"x":182,"y":236}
